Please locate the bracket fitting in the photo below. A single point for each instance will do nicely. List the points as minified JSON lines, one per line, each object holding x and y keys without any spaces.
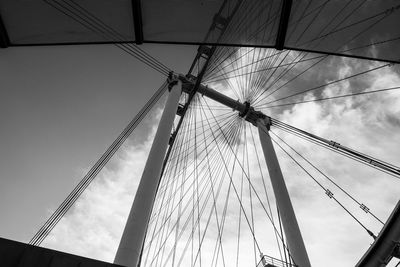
{"x":172,"y":80}
{"x":253,"y":116}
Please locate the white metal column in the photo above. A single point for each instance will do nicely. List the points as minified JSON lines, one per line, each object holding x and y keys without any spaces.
{"x":131,"y":243}
{"x":289,"y":222}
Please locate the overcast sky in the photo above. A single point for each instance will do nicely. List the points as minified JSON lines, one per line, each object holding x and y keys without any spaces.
{"x":62,"y":106}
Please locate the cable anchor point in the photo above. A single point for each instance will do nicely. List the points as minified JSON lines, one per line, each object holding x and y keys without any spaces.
{"x":172,"y":80}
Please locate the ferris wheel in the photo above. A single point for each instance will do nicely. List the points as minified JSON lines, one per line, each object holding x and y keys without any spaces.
{"x":268,"y":121}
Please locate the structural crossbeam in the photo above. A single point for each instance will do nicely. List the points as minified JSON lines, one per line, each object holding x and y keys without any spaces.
{"x":245,"y":110}
{"x":283,"y":24}
{"x":4,"y":39}
{"x":137,"y":21}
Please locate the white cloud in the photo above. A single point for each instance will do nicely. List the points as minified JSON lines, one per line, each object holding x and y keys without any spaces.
{"x":368,"y":123}
{"x":94,"y":225}
{"x":363,"y":123}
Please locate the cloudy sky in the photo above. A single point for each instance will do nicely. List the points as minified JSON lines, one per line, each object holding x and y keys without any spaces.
{"x":61,"y":107}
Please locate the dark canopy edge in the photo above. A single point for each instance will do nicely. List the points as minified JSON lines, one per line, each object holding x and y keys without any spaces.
{"x":397,"y":61}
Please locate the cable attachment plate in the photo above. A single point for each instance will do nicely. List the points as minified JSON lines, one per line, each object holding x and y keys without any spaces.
{"x":219,"y":22}
{"x":364,"y":208}
{"x":253,"y":116}
{"x":172,"y":80}
{"x":396,"y":250}
{"x":329,"y":193}
{"x":204,"y":51}
{"x":246,"y":110}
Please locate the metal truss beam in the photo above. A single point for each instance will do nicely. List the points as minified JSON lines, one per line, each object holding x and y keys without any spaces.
{"x":386,"y":245}
{"x":283,"y":24}
{"x":4,"y":39}
{"x":137,"y":21}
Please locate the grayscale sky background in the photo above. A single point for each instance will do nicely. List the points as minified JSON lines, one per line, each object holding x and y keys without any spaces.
{"x":60,"y":108}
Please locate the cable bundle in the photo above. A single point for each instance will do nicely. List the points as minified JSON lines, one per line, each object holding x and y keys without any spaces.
{"x":87,"y":19}
{"x":89,"y":177}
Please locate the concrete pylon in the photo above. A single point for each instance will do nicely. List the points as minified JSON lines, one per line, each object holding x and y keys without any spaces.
{"x":130,"y":246}
{"x":288,"y":217}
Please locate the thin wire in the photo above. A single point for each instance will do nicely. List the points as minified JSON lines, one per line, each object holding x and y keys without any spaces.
{"x":255,"y":192}
{"x":237,"y":196}
{"x":185,"y":208}
{"x":330,"y":180}
{"x":329,"y":83}
{"x":332,"y":97}
{"x":370,"y":161}
{"x":267,"y":197}
{"x":326,"y":190}
{"x":45,"y":230}
{"x":91,"y":22}
{"x":331,"y":149}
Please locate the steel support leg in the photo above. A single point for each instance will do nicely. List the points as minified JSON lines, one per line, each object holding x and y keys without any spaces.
{"x":289,"y":222}
{"x":132,"y":240}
